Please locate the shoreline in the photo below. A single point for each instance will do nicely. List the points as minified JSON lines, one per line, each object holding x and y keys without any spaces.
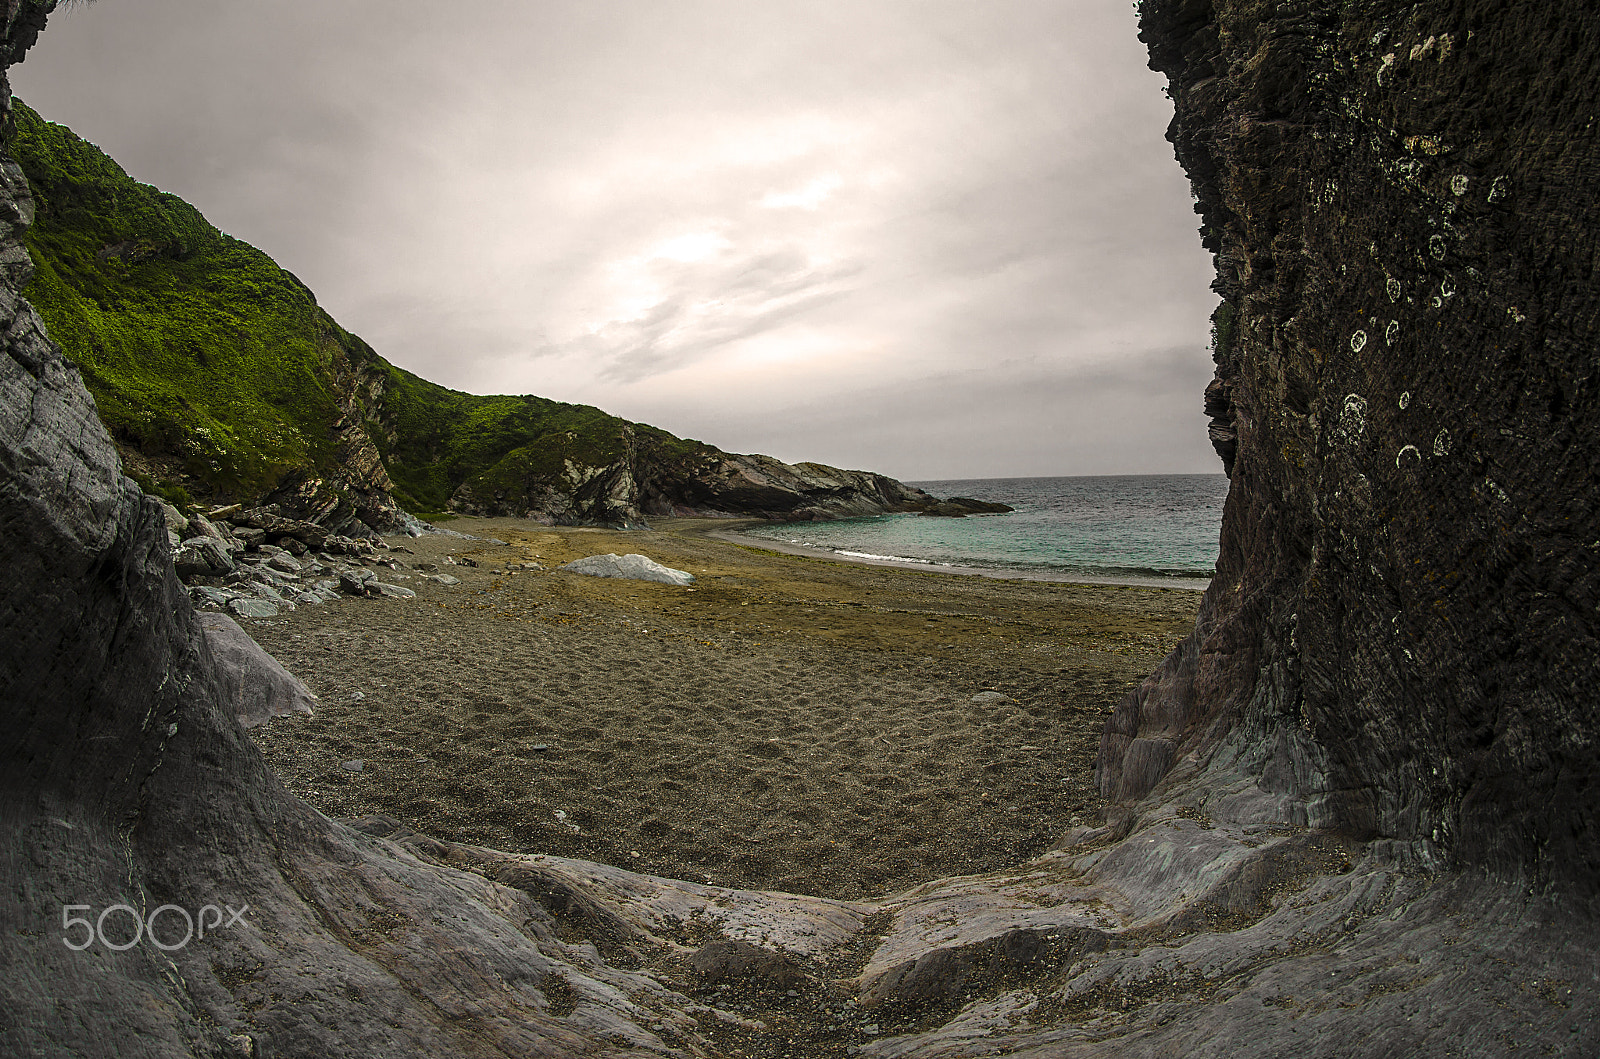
{"x":733,"y":535}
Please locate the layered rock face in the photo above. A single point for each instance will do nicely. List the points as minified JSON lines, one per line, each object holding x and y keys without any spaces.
{"x":1401,"y":639}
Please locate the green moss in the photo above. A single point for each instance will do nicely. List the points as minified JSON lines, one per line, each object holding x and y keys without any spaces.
{"x":199,"y":350}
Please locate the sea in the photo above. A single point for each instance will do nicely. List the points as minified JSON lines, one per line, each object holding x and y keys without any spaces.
{"x":1151,"y":529}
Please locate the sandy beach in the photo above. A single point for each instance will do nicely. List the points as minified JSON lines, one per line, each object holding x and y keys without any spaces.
{"x":787,"y":722}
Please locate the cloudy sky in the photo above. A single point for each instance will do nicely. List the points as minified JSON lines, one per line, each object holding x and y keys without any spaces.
{"x":933,"y":238}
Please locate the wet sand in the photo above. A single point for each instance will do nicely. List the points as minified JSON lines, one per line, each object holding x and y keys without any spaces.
{"x":786,"y":722}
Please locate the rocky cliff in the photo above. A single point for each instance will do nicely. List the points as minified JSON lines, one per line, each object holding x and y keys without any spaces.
{"x":1204,"y":919}
{"x":219,"y":375}
{"x":1401,"y":639}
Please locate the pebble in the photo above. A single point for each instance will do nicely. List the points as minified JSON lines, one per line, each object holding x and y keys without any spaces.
{"x":354,"y":766}
{"x":985,"y":698}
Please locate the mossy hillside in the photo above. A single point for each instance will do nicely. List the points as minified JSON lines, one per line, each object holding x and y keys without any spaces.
{"x":201,"y":353}
{"x":218,"y":367}
{"x":510,"y":451}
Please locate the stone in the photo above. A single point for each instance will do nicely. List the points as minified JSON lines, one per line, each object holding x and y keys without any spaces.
{"x":354,"y":766}
{"x":379,"y":588}
{"x":441,"y":579}
{"x":206,"y":597}
{"x":276,"y":527}
{"x":989,"y":698}
{"x":200,"y":526}
{"x":631,"y":567}
{"x":285,"y":562}
{"x":245,"y":607}
{"x":202,"y":557}
{"x":355,"y":582}
{"x":253,"y":683}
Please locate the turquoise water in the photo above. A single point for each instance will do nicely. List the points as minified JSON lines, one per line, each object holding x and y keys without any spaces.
{"x":1141,"y":527}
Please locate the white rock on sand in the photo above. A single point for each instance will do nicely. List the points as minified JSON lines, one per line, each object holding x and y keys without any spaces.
{"x":631,"y":567}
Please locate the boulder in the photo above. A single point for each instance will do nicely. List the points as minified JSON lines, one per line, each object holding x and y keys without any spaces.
{"x":245,"y":607}
{"x":631,"y":567}
{"x":202,"y":557}
{"x":255,"y":687}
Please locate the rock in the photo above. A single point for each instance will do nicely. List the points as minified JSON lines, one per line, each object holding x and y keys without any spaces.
{"x":631,"y":567}
{"x":253,"y":608}
{"x":379,"y":588}
{"x":355,"y":582}
{"x":177,"y":523}
{"x":294,"y":546}
{"x":989,"y":698}
{"x":275,"y":527}
{"x":284,"y":562}
{"x":202,"y":557}
{"x":442,"y":579}
{"x":253,"y":683}
{"x":200,"y":526}
{"x":204,"y":596}
{"x":961,"y":507}
{"x":249,"y":536}
{"x":353,"y":766}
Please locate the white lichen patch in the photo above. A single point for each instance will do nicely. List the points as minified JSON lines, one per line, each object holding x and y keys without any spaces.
{"x":1441,"y":443}
{"x":1436,"y":247}
{"x":1447,"y":287}
{"x":1407,"y":452}
{"x":1391,"y":332}
{"x":1405,"y":400}
{"x":1458,"y":185}
{"x":1353,"y":417}
{"x":1425,"y":145}
{"x":1393,"y":287}
{"x":1498,"y":189}
{"x":1383,"y":68}
{"x":1358,"y":341}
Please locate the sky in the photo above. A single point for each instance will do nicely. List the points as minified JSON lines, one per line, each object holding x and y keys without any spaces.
{"x":932,"y":238}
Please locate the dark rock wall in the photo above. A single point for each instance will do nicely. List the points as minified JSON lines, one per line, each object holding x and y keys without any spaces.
{"x":1401,"y":639}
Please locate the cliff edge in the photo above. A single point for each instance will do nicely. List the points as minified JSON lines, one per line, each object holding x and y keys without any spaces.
{"x":1401,"y":638}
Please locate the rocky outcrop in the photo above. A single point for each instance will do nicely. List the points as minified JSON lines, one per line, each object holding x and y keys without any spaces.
{"x":726,"y":485}
{"x":1401,"y":640}
{"x":962,"y":506}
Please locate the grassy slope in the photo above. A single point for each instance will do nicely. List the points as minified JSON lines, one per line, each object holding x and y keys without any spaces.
{"x":205,"y":356}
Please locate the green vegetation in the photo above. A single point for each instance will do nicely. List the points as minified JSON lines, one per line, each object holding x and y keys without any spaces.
{"x":200,"y":351}
{"x":1224,"y":321}
{"x":221,"y":371}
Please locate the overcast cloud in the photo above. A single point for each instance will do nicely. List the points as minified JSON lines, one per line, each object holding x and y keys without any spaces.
{"x":938,"y":239}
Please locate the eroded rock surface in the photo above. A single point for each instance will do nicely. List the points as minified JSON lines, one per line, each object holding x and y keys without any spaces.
{"x":1401,"y":638}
